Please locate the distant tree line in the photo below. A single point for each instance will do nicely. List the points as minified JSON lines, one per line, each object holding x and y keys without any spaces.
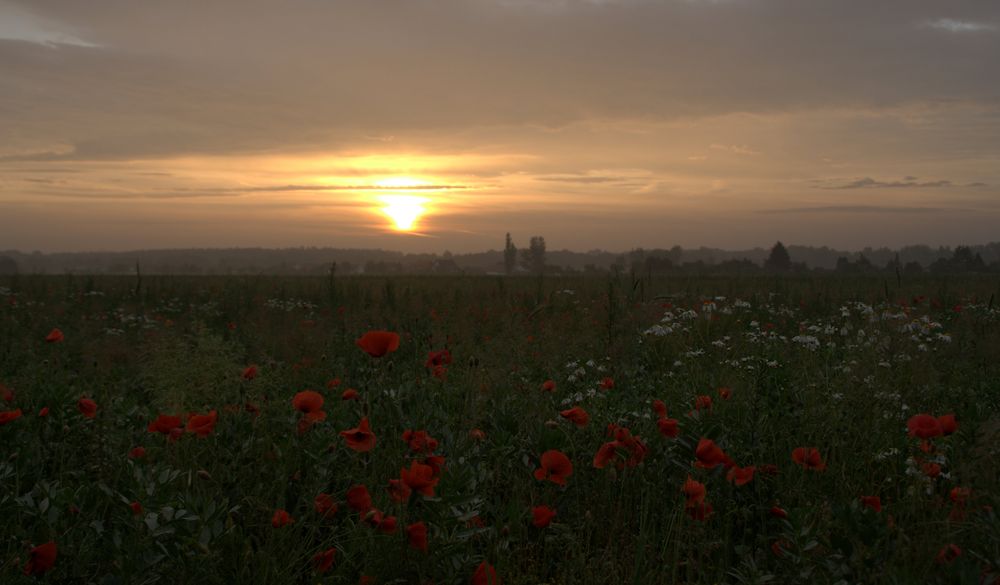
{"x":534,"y":258}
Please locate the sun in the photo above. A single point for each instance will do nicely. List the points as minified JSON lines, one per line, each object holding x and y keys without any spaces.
{"x":403,"y":210}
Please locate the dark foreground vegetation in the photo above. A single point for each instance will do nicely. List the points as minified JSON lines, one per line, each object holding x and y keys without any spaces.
{"x":765,"y":429}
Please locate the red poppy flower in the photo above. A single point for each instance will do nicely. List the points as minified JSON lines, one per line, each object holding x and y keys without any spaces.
{"x":873,"y":502}
{"x":366,"y":580}
{"x":202,"y":424}
{"x":576,"y":415}
{"x":378,"y":343}
{"x":41,"y":559}
{"x":416,"y":534}
{"x":703,"y":402}
{"x":634,"y":445}
{"x":435,"y":462}
{"x":694,"y":491}
{"x":668,"y":427}
{"x":556,"y":467}
{"x":485,"y":575}
{"x":548,"y":386}
{"x":360,"y":439}
{"x":700,"y":511}
{"x":541,"y":516}
{"x":924,"y":426}
{"x":709,"y":455}
{"x":438,"y":358}
{"x":281,"y":518}
{"x":308,"y":401}
{"x":740,"y":475}
{"x":9,"y":415}
{"x":6,"y":393}
{"x":350,"y":394}
{"x":477,"y":435}
{"x":309,"y":419}
{"x":959,"y":495}
{"x":607,"y":383}
{"x":947,"y":554}
{"x":948,"y":424}
{"x":768,"y":469}
{"x":44,"y":412}
{"x":55,"y":336}
{"x":660,"y":408}
{"x":604,"y":455}
{"x":420,"y":441}
{"x":136,"y":508}
{"x":323,"y":560}
{"x":330,"y":385}
{"x":931,"y":470}
{"x":398,"y":490}
{"x":809,"y":458}
{"x":250,"y":373}
{"x":725,"y":392}
{"x":137,"y":453}
{"x":779,"y":512}
{"x":87,"y":407}
{"x":359,"y":499}
{"x":164,"y":423}
{"x":388,"y":525}
{"x":420,"y":478}
{"x":383,"y":523}
{"x":324,"y":505}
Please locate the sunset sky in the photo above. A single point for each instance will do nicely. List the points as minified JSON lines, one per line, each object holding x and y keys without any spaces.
{"x":595,"y":123}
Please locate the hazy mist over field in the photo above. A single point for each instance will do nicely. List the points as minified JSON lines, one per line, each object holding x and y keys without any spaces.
{"x":423,"y":126}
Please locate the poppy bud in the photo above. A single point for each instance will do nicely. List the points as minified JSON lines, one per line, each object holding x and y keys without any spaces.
{"x":551,"y":424}
{"x":12,"y":457}
{"x":505,"y":530}
{"x":204,"y":475}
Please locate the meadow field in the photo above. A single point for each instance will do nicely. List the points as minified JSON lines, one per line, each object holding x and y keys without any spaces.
{"x":452,"y":430}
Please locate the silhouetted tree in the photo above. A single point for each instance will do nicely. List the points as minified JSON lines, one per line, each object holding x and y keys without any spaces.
{"x":7,"y":266}
{"x":637,"y":259}
{"x":658,"y":264}
{"x":533,"y":258}
{"x":912,"y":269}
{"x":676,"y":254}
{"x":509,"y":255}
{"x":864,"y":264}
{"x":779,"y":260}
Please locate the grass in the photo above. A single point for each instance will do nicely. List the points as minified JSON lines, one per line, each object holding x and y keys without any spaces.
{"x":826,"y":362}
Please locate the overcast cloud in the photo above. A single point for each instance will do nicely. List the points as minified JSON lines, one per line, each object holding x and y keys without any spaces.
{"x":654,"y":116}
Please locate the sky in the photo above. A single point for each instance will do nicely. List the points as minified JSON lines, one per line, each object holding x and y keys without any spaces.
{"x":433,"y":125}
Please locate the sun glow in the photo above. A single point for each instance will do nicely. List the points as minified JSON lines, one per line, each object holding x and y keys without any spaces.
{"x":403,"y":210}
{"x":400,"y":183}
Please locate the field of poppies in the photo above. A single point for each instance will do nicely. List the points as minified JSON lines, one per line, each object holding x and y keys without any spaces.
{"x":489,"y":430}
